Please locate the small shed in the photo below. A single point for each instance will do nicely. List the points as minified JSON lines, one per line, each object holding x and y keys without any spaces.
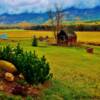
{"x":66,"y":38}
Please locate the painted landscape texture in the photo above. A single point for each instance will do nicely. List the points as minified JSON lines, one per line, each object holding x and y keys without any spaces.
{"x":72,"y":71}
{"x":75,"y":72}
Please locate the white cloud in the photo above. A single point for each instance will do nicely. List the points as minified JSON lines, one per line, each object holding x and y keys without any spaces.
{"x":19,"y":6}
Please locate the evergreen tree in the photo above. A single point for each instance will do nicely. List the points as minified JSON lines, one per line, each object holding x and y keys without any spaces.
{"x":35,"y":41}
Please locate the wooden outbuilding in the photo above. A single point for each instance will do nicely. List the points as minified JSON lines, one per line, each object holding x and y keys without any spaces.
{"x":66,"y":38}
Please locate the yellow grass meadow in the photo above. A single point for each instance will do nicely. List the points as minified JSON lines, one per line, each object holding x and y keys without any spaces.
{"x":85,"y":36}
{"x":26,"y":33}
{"x":88,"y":37}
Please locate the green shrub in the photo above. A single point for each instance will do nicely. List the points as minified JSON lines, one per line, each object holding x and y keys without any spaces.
{"x":35,"y":41}
{"x":18,"y":49}
{"x":5,"y":53}
{"x":35,"y":70}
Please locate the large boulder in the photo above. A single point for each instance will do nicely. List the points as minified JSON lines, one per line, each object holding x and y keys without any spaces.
{"x":7,"y":66}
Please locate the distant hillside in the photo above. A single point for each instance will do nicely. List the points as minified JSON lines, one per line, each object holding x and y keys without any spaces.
{"x":25,"y":25}
{"x":36,"y":18}
{"x":72,"y":14}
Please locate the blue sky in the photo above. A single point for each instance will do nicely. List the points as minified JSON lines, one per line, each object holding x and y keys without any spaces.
{"x":20,"y":6}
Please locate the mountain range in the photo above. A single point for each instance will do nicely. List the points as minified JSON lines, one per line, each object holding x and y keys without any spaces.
{"x":71,"y":14}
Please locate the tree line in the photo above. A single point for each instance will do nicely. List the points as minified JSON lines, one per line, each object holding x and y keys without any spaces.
{"x":49,"y":27}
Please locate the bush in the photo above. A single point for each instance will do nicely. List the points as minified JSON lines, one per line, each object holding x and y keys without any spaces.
{"x":5,"y":53}
{"x":35,"y":70}
{"x":35,"y":41}
{"x":18,"y":49}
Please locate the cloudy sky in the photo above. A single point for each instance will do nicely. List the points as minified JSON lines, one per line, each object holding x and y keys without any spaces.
{"x":20,"y":6}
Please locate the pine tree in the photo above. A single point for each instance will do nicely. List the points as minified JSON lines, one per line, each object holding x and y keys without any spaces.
{"x":35,"y":41}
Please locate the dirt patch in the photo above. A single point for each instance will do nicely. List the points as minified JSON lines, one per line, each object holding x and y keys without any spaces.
{"x":14,"y":88}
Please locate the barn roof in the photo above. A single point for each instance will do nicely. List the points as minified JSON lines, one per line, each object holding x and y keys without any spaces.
{"x":68,"y":33}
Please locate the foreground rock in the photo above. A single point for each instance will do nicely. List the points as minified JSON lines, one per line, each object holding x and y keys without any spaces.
{"x":9,"y":77}
{"x":7,"y":66}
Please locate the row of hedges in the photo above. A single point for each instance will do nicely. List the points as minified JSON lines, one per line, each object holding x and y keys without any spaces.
{"x":85,"y":27}
{"x":72,"y":27}
{"x":49,"y":28}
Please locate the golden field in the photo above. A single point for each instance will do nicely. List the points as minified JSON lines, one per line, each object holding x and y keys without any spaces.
{"x":23,"y":34}
{"x":27,"y":34}
{"x":88,"y":36}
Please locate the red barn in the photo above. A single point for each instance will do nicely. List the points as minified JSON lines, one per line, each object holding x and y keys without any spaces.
{"x":66,"y":38}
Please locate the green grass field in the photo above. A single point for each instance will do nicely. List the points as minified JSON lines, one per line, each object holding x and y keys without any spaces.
{"x":76,"y":74}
